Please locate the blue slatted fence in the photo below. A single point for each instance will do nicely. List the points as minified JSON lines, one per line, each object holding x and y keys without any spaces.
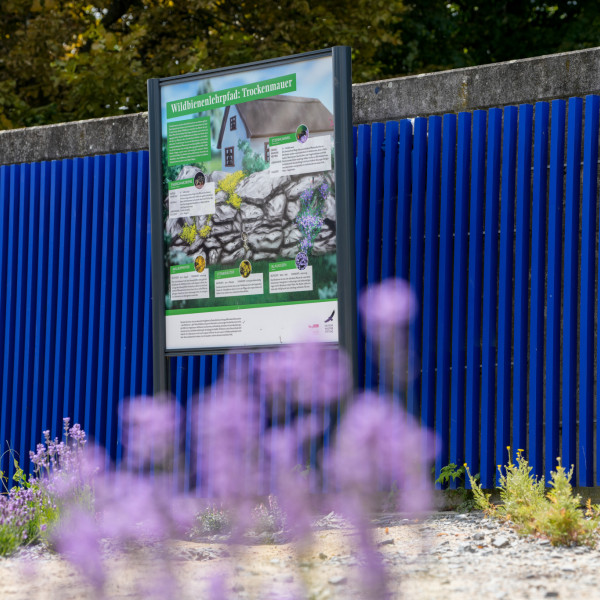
{"x":491,"y":216}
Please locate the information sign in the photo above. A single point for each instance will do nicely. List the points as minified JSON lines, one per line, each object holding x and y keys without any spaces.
{"x":251,"y":185}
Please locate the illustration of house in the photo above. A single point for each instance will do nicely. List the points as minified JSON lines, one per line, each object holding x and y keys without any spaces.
{"x":258,"y":120}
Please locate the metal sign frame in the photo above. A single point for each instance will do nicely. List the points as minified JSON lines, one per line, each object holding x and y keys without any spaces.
{"x":344,"y":201}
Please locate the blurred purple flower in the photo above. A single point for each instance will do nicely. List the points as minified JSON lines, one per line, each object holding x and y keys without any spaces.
{"x":380,"y":446}
{"x":77,"y":537}
{"x":387,"y":310}
{"x":217,"y":587}
{"x":149,"y":428}
{"x":229,"y":456}
{"x":292,"y":484}
{"x":312,"y":373}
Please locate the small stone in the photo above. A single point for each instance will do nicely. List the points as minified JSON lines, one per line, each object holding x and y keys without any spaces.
{"x":337,"y":580}
{"x":478,"y":536}
{"x":387,"y":542}
{"x":500,"y":542}
{"x":237,"y":588}
{"x":551,"y":594}
{"x":275,"y":561}
{"x":322,"y":556}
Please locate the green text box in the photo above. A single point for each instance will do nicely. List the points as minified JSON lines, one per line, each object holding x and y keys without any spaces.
{"x":182,"y":269}
{"x":227,"y":273}
{"x":282,"y":139}
{"x":188,"y":141}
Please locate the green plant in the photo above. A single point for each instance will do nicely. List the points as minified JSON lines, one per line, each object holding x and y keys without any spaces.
{"x":212,"y":520}
{"x":252,"y":162}
{"x":451,"y":473}
{"x":188,"y":233}
{"x":228,"y":185}
{"x":556,"y":515}
{"x":461,"y":498}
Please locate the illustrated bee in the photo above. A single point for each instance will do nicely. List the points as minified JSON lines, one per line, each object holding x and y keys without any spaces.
{"x":245,"y":268}
{"x":199,"y":264}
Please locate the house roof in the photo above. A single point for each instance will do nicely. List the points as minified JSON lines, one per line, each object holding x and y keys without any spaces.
{"x":279,"y":115}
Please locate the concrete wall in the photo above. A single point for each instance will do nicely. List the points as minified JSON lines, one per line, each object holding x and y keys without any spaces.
{"x":500,"y":84}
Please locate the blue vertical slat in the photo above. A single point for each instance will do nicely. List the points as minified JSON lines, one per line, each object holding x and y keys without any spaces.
{"x":4,"y":212}
{"x":20,"y":317}
{"x":490,"y":302}
{"x":507,"y":215}
{"x":522,"y":277}
{"x":83,"y":291}
{"x":147,"y":386}
{"x":459,"y":291}
{"x":118,"y":299}
{"x":553,"y":320}
{"x":571,"y":237}
{"x":137,"y":314}
{"x":73,"y":259}
{"x":432,"y":229}
{"x":9,"y":307}
{"x":127,"y":301}
{"x":104,"y":299}
{"x":536,"y":324}
{"x":390,"y":199}
{"x":40,"y":301}
{"x":586,"y":327}
{"x":475,"y":291}
{"x":374,"y":237}
{"x":95,"y":285}
{"x":28,"y":440}
{"x":390,"y":203}
{"x":52,"y":288}
{"x":405,"y":145}
{"x":61,"y":285}
{"x":444,"y":303}
{"x":417,"y":232}
{"x":361,"y":226}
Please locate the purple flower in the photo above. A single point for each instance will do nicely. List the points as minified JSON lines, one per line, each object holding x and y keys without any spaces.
{"x":313,"y":374}
{"x":229,"y":454}
{"x":78,"y":539}
{"x":387,"y":309}
{"x":149,"y":427}
{"x":379,"y":446}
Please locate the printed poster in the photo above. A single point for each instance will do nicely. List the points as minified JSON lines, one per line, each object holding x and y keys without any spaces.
{"x":249,"y":206}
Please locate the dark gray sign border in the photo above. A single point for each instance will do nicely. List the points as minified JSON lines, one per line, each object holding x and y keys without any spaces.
{"x":345,"y":209}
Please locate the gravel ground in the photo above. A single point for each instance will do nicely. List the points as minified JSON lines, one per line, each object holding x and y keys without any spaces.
{"x":445,"y":556}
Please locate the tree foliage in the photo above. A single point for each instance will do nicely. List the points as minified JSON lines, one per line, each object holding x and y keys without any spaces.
{"x":66,"y":60}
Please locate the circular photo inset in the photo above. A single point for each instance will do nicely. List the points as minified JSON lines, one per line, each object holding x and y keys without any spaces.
{"x":245,"y":268}
{"x":301,"y":261}
{"x":199,"y":180}
{"x":199,"y":264}
{"x":302,"y":133}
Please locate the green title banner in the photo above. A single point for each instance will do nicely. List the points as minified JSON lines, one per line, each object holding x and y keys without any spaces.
{"x":234,"y":95}
{"x":282,"y":139}
{"x":227,"y":273}
{"x":284,"y":265}
{"x":182,"y":269}
{"x":182,"y":183}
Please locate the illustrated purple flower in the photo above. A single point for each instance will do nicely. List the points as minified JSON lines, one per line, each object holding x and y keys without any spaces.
{"x":310,"y":217}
